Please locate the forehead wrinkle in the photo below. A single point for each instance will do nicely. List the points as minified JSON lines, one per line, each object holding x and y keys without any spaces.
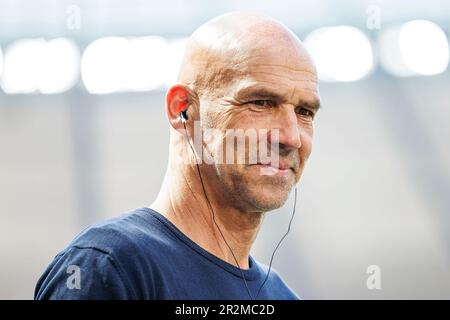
{"x":215,"y":72}
{"x":314,"y":81}
{"x":290,"y":68}
{"x":221,"y":63}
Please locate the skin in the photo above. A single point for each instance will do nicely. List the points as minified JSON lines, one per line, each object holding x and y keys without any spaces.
{"x":239,"y":71}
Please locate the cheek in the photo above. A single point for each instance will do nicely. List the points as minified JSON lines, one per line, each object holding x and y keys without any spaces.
{"x":222,"y":117}
{"x":306,"y":137}
{"x":306,"y":148}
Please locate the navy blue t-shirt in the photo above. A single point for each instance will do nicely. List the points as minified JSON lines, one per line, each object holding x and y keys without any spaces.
{"x":142,"y":255}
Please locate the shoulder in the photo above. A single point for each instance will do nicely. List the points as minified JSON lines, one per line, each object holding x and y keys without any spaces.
{"x":278,"y":287}
{"x":82,"y":274}
{"x":118,"y":237}
{"x":112,"y":258}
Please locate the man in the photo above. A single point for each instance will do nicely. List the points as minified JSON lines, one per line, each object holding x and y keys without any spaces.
{"x":240,"y":71}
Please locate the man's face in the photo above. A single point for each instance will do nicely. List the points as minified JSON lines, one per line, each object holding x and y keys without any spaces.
{"x":275,"y":91}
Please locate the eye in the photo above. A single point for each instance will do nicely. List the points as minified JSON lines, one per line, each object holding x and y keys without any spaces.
{"x":263,"y":103}
{"x":305,"y":112}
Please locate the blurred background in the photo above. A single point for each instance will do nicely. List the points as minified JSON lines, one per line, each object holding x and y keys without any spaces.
{"x":83,"y":136}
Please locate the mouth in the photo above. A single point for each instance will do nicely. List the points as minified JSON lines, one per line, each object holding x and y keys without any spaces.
{"x":280,"y":169}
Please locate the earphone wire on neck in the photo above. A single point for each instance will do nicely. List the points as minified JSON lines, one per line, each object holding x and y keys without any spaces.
{"x":183,"y":120}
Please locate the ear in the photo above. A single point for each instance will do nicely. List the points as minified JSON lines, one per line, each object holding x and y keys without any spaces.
{"x":178,"y":98}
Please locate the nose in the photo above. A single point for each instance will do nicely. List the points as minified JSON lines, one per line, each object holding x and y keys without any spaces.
{"x":288,"y":128}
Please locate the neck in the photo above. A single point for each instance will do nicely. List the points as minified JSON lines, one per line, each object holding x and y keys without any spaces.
{"x":182,"y":201}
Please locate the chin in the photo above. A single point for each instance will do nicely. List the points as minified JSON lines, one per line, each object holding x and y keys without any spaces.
{"x":253,"y":192}
{"x":268,"y":198}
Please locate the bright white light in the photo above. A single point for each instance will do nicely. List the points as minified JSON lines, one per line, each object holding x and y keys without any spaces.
{"x":36,"y":65}
{"x":102,"y":65}
{"x":22,"y":66}
{"x":340,"y":53}
{"x":424,"y":47}
{"x":117,"y":64}
{"x":60,"y":66}
{"x":391,"y":57}
{"x":147,"y":69}
{"x":174,"y":60}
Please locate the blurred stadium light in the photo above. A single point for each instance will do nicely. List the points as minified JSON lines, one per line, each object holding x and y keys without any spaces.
{"x":117,"y":64}
{"x":175,"y":56}
{"x":102,"y":65}
{"x":37,"y":65}
{"x":424,"y":47}
{"x":341,"y":53}
{"x":146,"y":63}
{"x":418,"y":47}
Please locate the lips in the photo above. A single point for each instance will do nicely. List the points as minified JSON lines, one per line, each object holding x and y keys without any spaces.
{"x":281,"y":169}
{"x":279,"y":166}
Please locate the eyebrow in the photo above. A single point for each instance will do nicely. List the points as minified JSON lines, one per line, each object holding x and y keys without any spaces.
{"x":252,"y":92}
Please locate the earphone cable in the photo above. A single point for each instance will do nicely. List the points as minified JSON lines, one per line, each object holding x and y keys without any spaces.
{"x":223,"y":237}
{"x":279,"y":243}
{"x":213,"y":214}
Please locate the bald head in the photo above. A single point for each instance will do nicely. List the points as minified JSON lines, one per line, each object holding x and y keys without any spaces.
{"x":225,"y":48}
